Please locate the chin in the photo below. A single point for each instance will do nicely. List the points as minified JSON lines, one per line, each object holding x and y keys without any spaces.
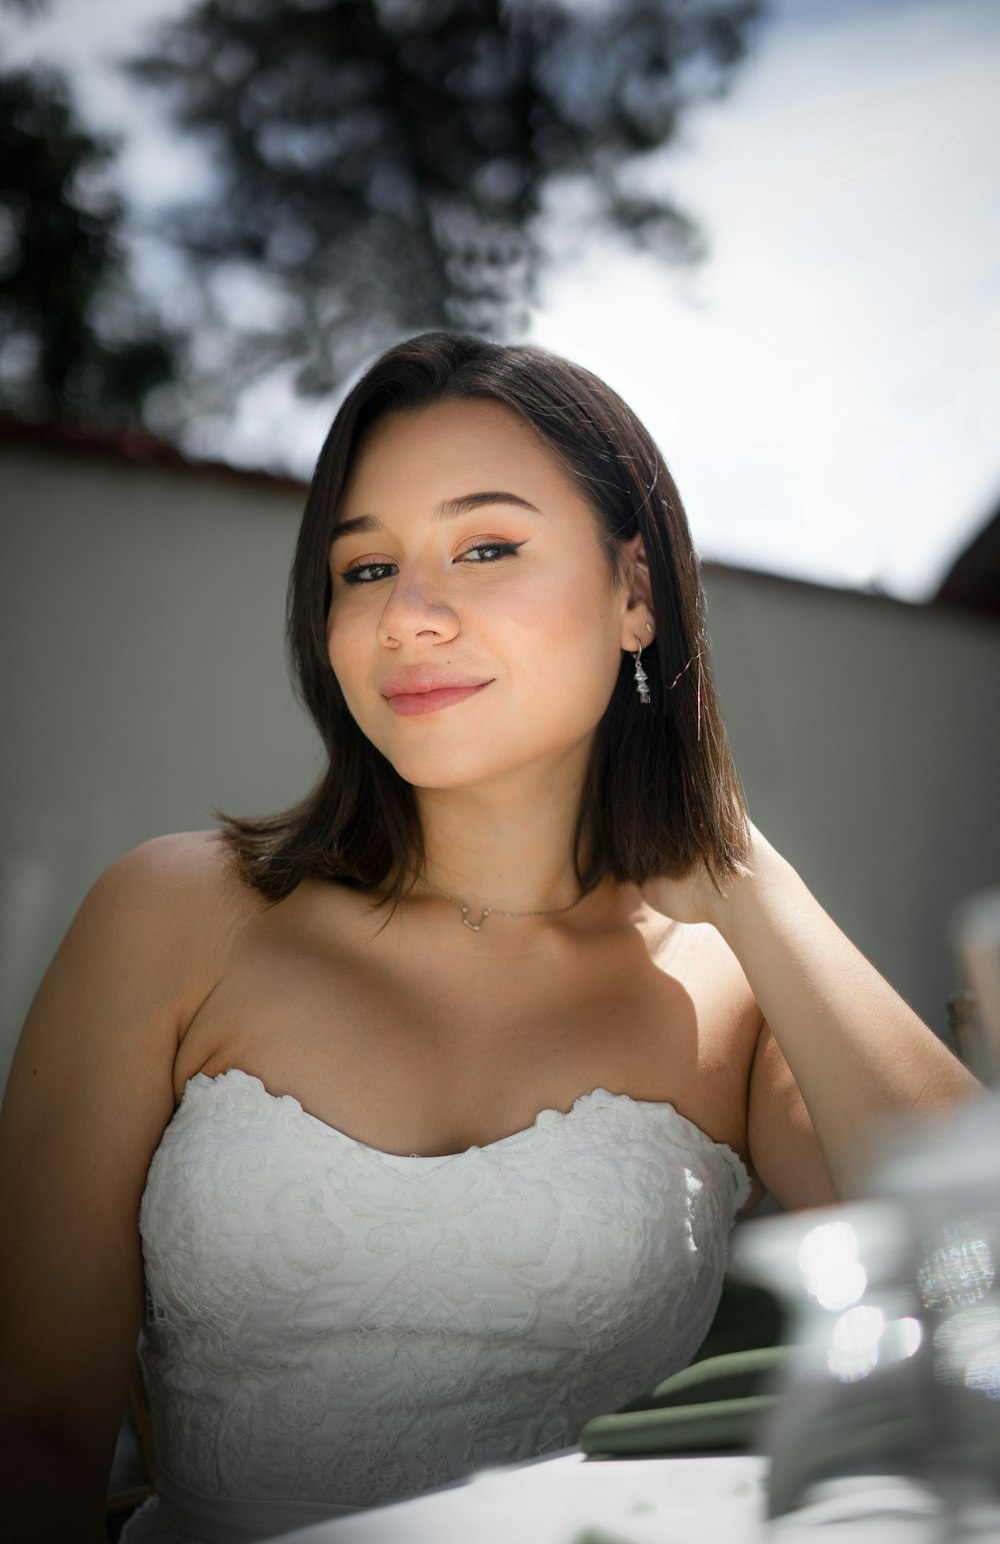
{"x":449,"y":755}
{"x":436,"y":771}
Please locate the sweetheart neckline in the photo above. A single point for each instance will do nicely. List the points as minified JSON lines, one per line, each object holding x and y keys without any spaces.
{"x":203,"y":1079}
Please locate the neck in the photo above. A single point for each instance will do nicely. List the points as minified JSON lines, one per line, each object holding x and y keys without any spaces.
{"x":508,"y":845}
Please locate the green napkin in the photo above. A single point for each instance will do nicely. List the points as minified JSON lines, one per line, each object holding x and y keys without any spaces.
{"x":715,"y":1405}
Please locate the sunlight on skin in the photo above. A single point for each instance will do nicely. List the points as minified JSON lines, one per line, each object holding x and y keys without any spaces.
{"x":521,"y":599}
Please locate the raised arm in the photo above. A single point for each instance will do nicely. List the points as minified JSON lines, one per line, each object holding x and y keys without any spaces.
{"x":855,"y":1050}
{"x":89,"y":1094}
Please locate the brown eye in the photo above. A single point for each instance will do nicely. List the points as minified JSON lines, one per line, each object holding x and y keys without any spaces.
{"x":490,"y":551}
{"x":367,"y":573}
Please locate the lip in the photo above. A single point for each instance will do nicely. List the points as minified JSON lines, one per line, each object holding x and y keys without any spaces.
{"x":416,"y":681}
{"x":416,"y":691}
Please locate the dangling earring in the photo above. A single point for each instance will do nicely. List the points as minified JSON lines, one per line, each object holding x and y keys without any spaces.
{"x":641,"y":678}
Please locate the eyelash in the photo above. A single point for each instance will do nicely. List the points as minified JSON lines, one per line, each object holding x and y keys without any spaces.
{"x":502,"y":549}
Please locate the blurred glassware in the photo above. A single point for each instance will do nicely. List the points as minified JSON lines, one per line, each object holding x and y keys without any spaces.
{"x":854,"y":1406}
{"x":891,"y":1409}
{"x":945,"y":1179}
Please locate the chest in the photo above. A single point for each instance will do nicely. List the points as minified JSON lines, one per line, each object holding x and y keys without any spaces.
{"x":436,"y":1050}
{"x":447,"y":1302}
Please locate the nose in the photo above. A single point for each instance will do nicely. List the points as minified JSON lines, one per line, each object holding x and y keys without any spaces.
{"x":416,"y":612}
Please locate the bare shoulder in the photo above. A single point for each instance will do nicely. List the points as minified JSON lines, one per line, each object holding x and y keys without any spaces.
{"x":195,"y":865}
{"x":172,"y":899}
{"x":143,"y":951}
{"x":726,"y":1012}
{"x":739,"y":1053}
{"x":697,"y":955}
{"x":728,"y":1020}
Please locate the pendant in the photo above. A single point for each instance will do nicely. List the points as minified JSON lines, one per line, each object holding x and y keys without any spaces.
{"x":475,"y":926}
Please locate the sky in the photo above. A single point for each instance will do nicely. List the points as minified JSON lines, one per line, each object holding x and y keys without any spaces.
{"x":826,"y":386}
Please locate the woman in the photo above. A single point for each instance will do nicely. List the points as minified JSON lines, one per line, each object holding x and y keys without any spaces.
{"x":439,"y":1091}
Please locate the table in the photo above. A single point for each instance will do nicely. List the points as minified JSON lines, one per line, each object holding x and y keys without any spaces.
{"x":708,"y":1500}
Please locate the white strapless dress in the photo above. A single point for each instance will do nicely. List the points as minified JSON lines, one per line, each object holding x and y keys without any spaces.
{"x":331,"y":1327}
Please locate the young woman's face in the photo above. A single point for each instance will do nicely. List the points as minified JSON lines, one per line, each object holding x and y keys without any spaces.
{"x":475,"y":626}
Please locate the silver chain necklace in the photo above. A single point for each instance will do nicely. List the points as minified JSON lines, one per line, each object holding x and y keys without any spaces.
{"x":490,"y":911}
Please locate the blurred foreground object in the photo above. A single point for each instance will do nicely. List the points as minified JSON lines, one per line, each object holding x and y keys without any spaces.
{"x":891,"y":1407}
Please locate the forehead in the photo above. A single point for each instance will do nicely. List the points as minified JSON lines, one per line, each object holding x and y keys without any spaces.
{"x":452,"y":448}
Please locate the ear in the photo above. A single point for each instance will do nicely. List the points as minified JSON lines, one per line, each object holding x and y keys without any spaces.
{"x":638,"y":622}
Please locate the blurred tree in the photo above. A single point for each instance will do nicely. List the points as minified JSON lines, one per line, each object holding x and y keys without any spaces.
{"x":382,"y":166}
{"x":75,"y":341}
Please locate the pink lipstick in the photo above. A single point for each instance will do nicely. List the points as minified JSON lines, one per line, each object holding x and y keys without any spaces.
{"x":418,"y":690}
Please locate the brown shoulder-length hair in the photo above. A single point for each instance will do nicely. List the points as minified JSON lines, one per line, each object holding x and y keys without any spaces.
{"x":661,"y":793}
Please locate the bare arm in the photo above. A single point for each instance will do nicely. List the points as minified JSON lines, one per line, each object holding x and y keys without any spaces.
{"x":847,"y":1041}
{"x":90,"y":1092}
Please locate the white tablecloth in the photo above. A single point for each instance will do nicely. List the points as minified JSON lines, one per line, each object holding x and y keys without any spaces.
{"x":555,"y":1501}
{"x":570,"y":1500}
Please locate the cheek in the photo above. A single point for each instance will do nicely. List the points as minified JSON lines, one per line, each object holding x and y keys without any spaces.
{"x":567,"y":654}
{"x":343,"y":640}
{"x":348,"y":660}
{"x":572,"y":617}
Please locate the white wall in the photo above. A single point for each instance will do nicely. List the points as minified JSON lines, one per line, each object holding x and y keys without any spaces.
{"x":868,"y":738}
{"x":141,"y":619}
{"x":141,"y":622}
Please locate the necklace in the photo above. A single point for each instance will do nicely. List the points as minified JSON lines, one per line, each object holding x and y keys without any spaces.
{"x":490,"y":911}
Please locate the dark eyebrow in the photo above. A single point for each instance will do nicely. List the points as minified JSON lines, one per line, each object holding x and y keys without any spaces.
{"x":445,"y":511}
{"x":461,"y":506}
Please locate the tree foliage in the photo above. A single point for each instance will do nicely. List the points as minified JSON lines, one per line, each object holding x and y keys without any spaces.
{"x":74,"y":339}
{"x":382,"y":166}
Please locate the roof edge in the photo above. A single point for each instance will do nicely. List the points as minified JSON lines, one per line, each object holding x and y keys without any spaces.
{"x":132,"y":445}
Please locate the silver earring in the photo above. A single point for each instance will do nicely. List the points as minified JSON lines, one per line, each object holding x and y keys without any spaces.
{"x":641,"y":678}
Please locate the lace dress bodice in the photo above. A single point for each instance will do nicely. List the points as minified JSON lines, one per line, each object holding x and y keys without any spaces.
{"x":331,"y":1327}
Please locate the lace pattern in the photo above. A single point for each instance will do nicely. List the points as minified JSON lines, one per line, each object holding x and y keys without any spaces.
{"x":328,"y":1322}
